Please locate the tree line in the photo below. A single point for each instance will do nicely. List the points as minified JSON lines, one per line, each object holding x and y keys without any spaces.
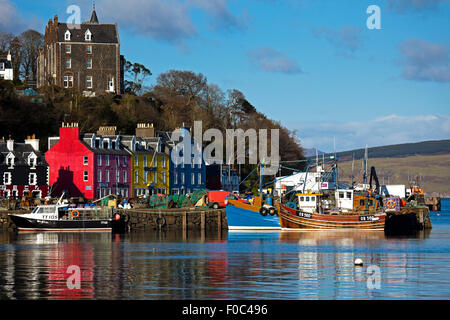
{"x":24,"y":50}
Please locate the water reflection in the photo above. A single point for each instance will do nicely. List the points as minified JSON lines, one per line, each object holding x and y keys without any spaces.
{"x":217,"y":265}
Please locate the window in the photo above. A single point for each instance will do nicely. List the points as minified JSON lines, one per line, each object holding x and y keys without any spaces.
{"x":362,"y":202}
{"x":124,"y":177}
{"x":89,"y":49}
{"x":68,"y":48}
{"x":68,"y":81}
{"x":307,"y":199}
{"x":2,"y":66}
{"x":193,"y":178}
{"x":124,"y":161}
{"x":164,"y":178}
{"x":32,"y":161}
{"x":107,"y":176}
{"x":85,"y":161}
{"x":175,"y":177}
{"x":99,"y":175}
{"x":145,"y":177}
{"x":182,"y":178}
{"x":155,"y":177}
{"x":145,"y":161}
{"x":370,"y":202}
{"x":88,"y":35}
{"x":117,"y":161}
{"x":85,"y":176}
{"x":302,"y":198}
{"x":68,"y":63}
{"x":136,"y":177}
{"x":136,"y":161}
{"x":199,"y":181}
{"x":313,"y":198}
{"x":89,"y":63}
{"x":89,"y":83}
{"x":117,"y":176}
{"x":341,"y":195}
{"x":349,"y":195}
{"x":7,"y":178}
{"x":99,"y":161}
{"x":107,"y":160}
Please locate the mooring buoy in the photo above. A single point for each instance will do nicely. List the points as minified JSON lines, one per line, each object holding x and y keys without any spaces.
{"x":359,"y":262}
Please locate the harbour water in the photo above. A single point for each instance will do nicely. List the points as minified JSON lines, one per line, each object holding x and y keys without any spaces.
{"x":228,"y":265}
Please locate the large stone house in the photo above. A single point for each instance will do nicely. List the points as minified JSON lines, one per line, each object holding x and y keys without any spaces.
{"x":86,"y":59}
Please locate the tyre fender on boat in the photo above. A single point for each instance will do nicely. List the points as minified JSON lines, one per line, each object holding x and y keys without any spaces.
{"x":263,"y":211}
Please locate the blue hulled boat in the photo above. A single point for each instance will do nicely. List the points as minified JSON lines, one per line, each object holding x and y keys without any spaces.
{"x":242,"y":216}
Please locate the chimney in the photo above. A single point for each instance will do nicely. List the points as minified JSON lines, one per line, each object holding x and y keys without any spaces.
{"x":33,"y":142}
{"x":107,"y":131}
{"x":10,"y":144}
{"x":145,"y":130}
{"x":8,"y":57}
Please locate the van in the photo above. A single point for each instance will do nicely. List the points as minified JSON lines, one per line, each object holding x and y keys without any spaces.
{"x":216,"y":199}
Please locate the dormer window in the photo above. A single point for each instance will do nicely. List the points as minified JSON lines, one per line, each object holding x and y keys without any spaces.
{"x":67,"y":35}
{"x":32,"y":160}
{"x":10,"y":160}
{"x":88,"y":35}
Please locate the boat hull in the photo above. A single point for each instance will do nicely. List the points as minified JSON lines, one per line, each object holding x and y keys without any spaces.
{"x":242,"y":216}
{"x":290,"y":219}
{"x":24,"y":223}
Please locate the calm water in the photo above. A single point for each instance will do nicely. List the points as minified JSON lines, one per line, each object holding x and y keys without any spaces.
{"x":276,"y":265}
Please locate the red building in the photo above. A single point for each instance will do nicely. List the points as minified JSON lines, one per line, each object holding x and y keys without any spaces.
{"x":89,"y":165}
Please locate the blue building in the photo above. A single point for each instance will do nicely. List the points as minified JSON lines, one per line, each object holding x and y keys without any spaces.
{"x":185,"y":177}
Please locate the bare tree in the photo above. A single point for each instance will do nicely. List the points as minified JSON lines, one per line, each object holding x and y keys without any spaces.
{"x":30,"y":42}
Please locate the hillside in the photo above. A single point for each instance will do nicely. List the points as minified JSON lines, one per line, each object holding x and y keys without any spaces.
{"x":433,"y":171}
{"x":399,"y":150}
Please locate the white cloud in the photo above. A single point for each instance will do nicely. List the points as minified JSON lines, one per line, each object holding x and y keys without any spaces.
{"x":386,"y":130}
{"x":271,"y":60}
{"x":12,"y":21}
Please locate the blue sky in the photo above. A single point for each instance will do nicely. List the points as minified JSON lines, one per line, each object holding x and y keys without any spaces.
{"x":311,"y":64}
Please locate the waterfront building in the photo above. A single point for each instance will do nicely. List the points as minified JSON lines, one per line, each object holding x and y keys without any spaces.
{"x":23,"y":169}
{"x":185,"y":177}
{"x":85,"y":59}
{"x":88,"y":165}
{"x":149,"y":163}
{"x":221,"y":177}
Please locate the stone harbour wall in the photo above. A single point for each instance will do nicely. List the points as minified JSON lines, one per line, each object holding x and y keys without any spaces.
{"x":179,"y":219}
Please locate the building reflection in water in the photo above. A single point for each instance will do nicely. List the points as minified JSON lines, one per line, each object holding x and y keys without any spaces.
{"x":195,"y":265}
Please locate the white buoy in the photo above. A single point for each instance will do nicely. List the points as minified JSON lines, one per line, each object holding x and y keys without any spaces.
{"x":359,"y":262}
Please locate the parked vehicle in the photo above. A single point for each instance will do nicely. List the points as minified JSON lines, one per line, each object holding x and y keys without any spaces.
{"x":218,"y":199}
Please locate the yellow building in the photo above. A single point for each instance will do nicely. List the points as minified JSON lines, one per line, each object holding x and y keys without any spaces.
{"x":149,"y":162}
{"x":149,"y":173}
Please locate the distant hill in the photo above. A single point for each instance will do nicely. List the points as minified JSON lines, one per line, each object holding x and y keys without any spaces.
{"x":398,"y":150}
{"x":431,"y":171}
{"x":311,"y":152}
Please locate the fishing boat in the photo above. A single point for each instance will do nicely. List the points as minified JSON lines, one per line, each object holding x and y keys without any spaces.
{"x":243,"y":216}
{"x":313,"y":212}
{"x":61,"y":217}
{"x":258,"y":214}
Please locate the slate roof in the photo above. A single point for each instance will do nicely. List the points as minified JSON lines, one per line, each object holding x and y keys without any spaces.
{"x":101,"y":33}
{"x":21,"y":152}
{"x":8,"y":64}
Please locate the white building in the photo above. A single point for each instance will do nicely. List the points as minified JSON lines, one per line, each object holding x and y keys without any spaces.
{"x":6,"y":68}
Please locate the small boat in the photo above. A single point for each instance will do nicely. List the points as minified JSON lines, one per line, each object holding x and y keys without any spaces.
{"x":61,"y":217}
{"x":243,"y":216}
{"x":293,"y":219}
